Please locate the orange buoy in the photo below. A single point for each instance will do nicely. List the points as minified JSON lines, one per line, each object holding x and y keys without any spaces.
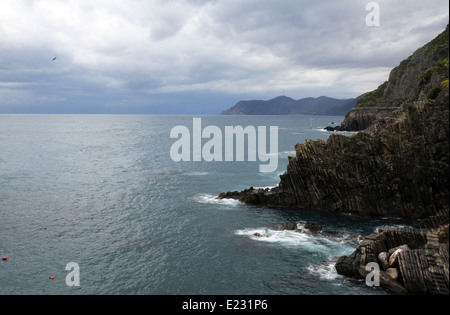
{"x":52,"y":277}
{"x":5,"y":258}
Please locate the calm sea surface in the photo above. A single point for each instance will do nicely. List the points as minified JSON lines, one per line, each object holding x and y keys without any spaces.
{"x":103,"y":192}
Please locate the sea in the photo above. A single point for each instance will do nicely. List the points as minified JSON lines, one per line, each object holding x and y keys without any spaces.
{"x":95,"y":205}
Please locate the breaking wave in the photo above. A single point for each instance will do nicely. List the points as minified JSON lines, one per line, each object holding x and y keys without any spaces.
{"x":210,"y":199}
{"x":331,"y":246}
{"x":324,"y":271}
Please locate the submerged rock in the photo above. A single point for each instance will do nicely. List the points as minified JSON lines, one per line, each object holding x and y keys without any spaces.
{"x":290,"y":226}
{"x":313,"y":227}
{"x":329,"y":128}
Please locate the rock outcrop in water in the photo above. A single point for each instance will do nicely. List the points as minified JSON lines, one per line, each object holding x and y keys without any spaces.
{"x":399,"y":171}
{"x":411,"y":261}
{"x":396,"y":166}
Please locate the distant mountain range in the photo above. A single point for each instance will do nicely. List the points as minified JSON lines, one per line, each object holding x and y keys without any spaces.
{"x":283,"y":105}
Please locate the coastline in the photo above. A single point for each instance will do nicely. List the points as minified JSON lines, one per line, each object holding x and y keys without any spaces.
{"x":397,"y":165}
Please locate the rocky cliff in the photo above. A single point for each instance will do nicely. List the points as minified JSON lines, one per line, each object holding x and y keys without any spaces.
{"x":409,"y":261}
{"x":396,"y":166}
{"x":412,"y":80}
{"x":401,"y":170}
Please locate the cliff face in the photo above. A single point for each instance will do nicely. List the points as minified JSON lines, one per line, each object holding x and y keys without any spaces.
{"x":402,"y":170}
{"x":399,"y":171}
{"x":410,"y":81}
{"x":396,"y":167}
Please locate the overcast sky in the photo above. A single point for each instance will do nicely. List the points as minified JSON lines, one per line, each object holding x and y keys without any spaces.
{"x":199,"y":56}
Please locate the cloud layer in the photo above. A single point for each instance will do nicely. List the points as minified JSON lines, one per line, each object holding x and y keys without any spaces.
{"x":175,"y":56}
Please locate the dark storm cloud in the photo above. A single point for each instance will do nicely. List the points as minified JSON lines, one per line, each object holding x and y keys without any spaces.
{"x":150,"y":55}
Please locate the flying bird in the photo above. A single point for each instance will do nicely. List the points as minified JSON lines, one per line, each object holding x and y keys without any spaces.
{"x":54,"y":59}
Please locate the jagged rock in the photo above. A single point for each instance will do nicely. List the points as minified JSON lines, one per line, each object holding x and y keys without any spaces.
{"x":393,"y":254}
{"x":313,"y":227}
{"x":276,"y":197}
{"x":436,"y":221}
{"x":423,"y":271}
{"x":443,"y":234}
{"x":410,"y":81}
{"x":386,"y":281}
{"x":393,"y":273}
{"x":411,"y":237}
{"x":401,"y":247}
{"x":358,"y":119}
{"x":290,"y":226}
{"x":398,"y":167}
{"x":422,"y":265}
{"x":383,"y":260}
{"x":393,"y":259}
{"x":348,"y":265}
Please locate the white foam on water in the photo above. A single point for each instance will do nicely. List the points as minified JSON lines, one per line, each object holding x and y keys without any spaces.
{"x":285,"y":238}
{"x":330,"y":246}
{"x":265,"y":187}
{"x":207,"y":198}
{"x":324,"y":271}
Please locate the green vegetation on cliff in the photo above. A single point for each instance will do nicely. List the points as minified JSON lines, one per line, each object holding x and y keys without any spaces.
{"x":416,"y":78}
{"x":398,"y":166}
